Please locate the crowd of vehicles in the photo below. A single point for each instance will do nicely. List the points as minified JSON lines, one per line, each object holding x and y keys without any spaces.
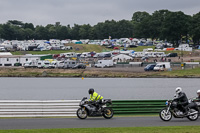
{"x":55,"y":64}
{"x":158,"y":66}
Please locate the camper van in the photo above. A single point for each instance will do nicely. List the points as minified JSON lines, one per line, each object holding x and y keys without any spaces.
{"x":104,"y":63}
{"x":53,"y":64}
{"x":30,"y":64}
{"x":161,"y":66}
{"x":60,"y":64}
{"x":43,"y":64}
{"x":69,"y":64}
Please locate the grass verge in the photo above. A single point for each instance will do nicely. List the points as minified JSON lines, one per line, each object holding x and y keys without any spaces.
{"x":21,"y":72}
{"x":178,"y":129}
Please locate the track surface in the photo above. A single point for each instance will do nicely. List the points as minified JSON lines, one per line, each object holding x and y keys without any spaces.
{"x":49,"y":123}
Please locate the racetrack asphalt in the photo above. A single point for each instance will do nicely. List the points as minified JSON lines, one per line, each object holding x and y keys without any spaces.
{"x":50,"y":123}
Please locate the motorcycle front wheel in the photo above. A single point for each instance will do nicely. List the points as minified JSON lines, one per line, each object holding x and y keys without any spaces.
{"x":164,"y":115}
{"x":81,"y":113}
{"x":193,"y":117}
{"x":108,"y":113}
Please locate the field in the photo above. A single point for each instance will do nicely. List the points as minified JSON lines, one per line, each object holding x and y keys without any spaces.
{"x":184,"y":129}
{"x":79,"y":48}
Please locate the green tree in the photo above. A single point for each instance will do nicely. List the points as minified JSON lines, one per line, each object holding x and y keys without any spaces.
{"x":16,"y":23}
{"x":29,"y":25}
{"x":141,"y":24}
{"x":75,"y":31}
{"x":125,"y":28}
{"x":40,"y":33}
{"x":195,"y":28}
{"x":84,"y":31}
{"x":156,"y":23}
{"x":175,"y":26}
{"x":139,"y":16}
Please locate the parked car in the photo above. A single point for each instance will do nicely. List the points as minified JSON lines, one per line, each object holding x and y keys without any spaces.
{"x":79,"y":66}
{"x":172,"y":55}
{"x":144,"y":58}
{"x":149,"y":67}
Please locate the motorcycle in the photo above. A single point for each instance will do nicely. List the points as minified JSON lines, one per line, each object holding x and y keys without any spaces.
{"x":173,"y":109}
{"x":88,"y":108}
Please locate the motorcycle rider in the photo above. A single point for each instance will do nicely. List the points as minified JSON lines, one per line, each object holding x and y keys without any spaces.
{"x":182,"y":100}
{"x":198,"y":94}
{"x":95,"y":97}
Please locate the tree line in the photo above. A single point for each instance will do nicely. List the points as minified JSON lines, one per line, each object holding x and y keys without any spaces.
{"x":162,"y":25}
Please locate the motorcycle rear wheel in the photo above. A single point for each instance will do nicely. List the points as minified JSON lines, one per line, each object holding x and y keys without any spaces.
{"x":164,"y":115}
{"x":108,"y":113}
{"x":81,"y":113}
{"x":193,"y":117}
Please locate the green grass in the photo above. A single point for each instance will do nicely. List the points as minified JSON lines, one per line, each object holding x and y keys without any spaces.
{"x":81,"y":47}
{"x":183,"y":73}
{"x":178,"y":129}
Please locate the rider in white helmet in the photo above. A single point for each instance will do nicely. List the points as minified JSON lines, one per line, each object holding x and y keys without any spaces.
{"x":182,"y":100}
{"x":178,"y":90}
{"x":198,"y":94}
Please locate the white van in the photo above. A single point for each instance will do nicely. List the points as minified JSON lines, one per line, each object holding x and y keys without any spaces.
{"x":161,"y":66}
{"x":104,"y":63}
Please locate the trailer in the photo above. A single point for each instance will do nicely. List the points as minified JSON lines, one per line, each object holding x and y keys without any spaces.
{"x":30,"y":64}
{"x":69,"y":64}
{"x":104,"y":63}
{"x":43,"y":64}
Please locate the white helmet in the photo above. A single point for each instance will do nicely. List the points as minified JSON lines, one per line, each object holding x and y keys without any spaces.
{"x":198,"y":91}
{"x":178,"y":90}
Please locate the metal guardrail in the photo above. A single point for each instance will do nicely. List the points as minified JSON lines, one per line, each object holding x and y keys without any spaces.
{"x":37,"y":108}
{"x":56,"y":108}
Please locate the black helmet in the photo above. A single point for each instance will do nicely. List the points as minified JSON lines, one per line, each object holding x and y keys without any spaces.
{"x":91,"y":91}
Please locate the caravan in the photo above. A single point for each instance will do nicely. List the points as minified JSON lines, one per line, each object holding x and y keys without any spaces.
{"x":30,"y":64}
{"x":104,"y":63}
{"x":43,"y":64}
{"x":69,"y":64}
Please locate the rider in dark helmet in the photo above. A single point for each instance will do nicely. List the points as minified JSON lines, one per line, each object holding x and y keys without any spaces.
{"x":91,"y":91}
{"x":95,"y":97}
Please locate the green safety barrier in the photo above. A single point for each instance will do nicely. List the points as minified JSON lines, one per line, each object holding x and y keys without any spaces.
{"x":131,"y":107}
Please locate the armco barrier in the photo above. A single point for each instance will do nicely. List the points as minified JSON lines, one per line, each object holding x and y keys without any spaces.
{"x":37,"y":108}
{"x":56,"y":108}
{"x":129,"y":107}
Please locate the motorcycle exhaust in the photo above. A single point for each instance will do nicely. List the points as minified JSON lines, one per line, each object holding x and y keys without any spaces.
{"x":196,"y":112}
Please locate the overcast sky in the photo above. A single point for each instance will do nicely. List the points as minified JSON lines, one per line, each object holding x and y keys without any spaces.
{"x":43,"y":12}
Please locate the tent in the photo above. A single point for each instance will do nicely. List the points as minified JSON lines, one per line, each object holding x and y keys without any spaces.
{"x":122,"y":58}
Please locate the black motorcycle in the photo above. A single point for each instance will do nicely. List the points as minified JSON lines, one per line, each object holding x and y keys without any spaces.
{"x":89,"y":108}
{"x":173,"y":109}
